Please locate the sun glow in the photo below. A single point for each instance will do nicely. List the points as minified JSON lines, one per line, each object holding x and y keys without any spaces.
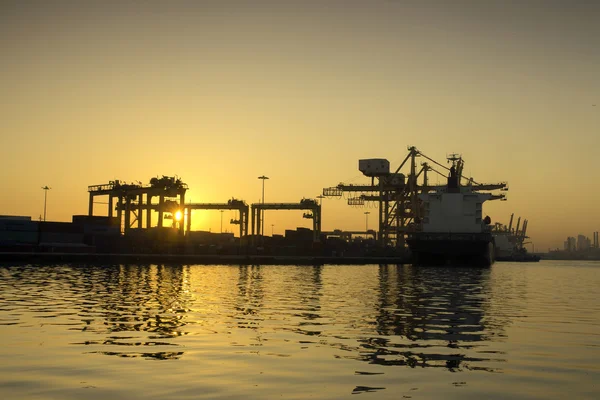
{"x":178,"y":216}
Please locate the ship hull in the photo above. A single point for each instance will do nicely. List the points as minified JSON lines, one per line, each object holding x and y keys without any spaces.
{"x":459,"y":249}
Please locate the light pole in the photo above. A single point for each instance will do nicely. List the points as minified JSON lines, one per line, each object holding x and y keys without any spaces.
{"x":262,"y":212}
{"x":222,"y":211}
{"x":367,"y":221}
{"x":272,"y":225}
{"x":320,"y":197}
{"x":45,"y":188}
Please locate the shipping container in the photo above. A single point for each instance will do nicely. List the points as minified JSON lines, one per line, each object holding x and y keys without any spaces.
{"x":15,"y":217}
{"x":101,"y":230}
{"x":138,"y":233}
{"x":199,"y":234}
{"x":60,"y":237}
{"x":17,"y":247}
{"x":18,"y":225}
{"x":19,"y":237}
{"x":95,"y":220}
{"x":60,"y":227}
{"x":66,"y":248}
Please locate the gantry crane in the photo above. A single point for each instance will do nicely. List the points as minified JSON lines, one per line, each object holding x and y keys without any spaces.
{"x":517,"y":236}
{"x":232,"y":204}
{"x":130,"y":200}
{"x":310,"y":205}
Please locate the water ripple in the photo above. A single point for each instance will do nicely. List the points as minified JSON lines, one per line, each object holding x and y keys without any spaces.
{"x":366,"y":323}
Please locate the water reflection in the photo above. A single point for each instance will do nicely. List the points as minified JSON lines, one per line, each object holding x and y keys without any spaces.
{"x":440,"y":311}
{"x":124,"y":299}
{"x":249,"y":300}
{"x":319,"y":332}
{"x":366,"y":389}
{"x":381,"y":315}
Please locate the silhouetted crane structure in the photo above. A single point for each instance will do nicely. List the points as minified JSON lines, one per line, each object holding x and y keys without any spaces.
{"x":130,"y":201}
{"x":232,"y":204}
{"x":516,"y":236}
{"x":310,"y":205}
{"x":522,"y":235}
{"x":397,"y":194}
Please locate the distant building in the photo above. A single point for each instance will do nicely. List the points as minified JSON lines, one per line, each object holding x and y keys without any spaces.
{"x":583,"y":243}
{"x":570,"y":244}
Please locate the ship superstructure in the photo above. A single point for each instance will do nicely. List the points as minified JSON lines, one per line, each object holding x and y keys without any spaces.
{"x":453,"y":228}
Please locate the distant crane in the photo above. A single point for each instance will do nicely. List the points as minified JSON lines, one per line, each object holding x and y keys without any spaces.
{"x":45,"y":188}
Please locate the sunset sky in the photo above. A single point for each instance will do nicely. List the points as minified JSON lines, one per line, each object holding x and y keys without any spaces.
{"x":221,"y":92}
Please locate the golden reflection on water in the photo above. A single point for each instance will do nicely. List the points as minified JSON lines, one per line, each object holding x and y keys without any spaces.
{"x":341,"y":323}
{"x":395,"y":315}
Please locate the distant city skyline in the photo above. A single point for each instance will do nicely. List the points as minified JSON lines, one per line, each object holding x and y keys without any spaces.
{"x":581,"y":243}
{"x":220,"y":92}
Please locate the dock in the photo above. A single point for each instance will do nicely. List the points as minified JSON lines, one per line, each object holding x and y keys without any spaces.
{"x":201,"y":259}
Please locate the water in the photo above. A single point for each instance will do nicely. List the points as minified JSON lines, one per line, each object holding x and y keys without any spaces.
{"x":522,"y":331}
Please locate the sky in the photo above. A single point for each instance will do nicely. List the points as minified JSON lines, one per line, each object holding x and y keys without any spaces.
{"x":221,"y":92}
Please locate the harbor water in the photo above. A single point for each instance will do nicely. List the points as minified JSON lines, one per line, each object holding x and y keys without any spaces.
{"x":514,"y":330}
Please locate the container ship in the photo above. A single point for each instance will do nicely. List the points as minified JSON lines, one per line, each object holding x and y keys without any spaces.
{"x":453,"y":229}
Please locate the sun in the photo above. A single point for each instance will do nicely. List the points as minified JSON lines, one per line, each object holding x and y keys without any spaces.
{"x":178,"y":215}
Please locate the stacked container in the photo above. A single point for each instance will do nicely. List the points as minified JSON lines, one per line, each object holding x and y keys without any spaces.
{"x":16,"y":230}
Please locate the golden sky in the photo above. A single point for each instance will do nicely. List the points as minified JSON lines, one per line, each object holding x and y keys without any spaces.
{"x":221,"y":92}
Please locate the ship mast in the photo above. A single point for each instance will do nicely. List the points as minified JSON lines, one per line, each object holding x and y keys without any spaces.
{"x":455,"y":172}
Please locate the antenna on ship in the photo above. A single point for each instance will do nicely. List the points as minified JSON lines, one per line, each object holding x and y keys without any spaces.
{"x":454,"y":158}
